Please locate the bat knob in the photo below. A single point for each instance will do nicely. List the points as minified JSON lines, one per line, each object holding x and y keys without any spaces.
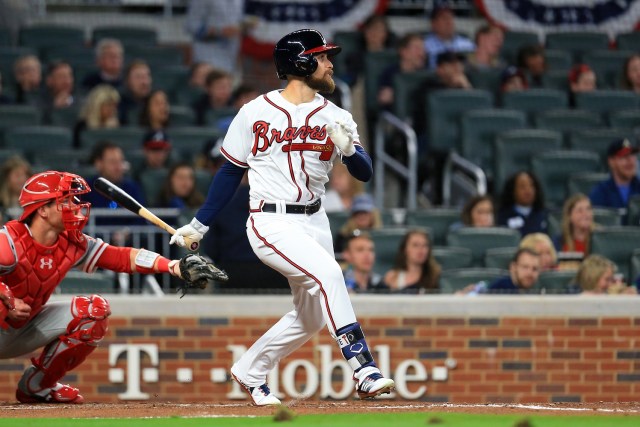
{"x":194,"y":246}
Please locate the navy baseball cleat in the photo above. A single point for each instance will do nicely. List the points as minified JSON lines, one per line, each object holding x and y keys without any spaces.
{"x":261,"y":395}
{"x":371,"y":383}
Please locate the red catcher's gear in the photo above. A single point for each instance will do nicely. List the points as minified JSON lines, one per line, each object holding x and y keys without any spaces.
{"x":39,"y":268}
{"x":61,"y":393}
{"x":63,"y":187}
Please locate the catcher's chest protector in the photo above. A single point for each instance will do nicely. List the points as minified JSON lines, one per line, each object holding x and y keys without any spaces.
{"x":40,"y":269}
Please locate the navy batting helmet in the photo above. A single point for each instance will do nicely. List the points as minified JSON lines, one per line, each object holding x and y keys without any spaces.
{"x":294,"y":53}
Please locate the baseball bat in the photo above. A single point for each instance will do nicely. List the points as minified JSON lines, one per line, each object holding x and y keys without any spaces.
{"x":112,"y":192}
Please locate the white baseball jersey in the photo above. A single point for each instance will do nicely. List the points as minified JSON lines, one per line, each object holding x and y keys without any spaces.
{"x":285,"y":146}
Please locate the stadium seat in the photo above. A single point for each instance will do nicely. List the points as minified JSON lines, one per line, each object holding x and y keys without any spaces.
{"x":558,"y":60}
{"x":480,"y":239}
{"x":437,"y":219}
{"x":128,"y":35}
{"x":405,"y":87}
{"x":186,"y":95}
{"x":499,"y":257}
{"x":534,"y":101}
{"x":349,"y":41}
{"x":220,"y":118}
{"x":74,"y":55}
{"x":616,"y":244}
{"x":596,"y":140}
{"x":170,"y":78}
{"x":181,"y":116}
{"x":387,"y":242}
{"x":628,"y":41}
{"x":583,"y":182}
{"x":555,"y":282}
{"x":625,"y":119}
{"x":479,"y":130}
{"x":79,"y":283}
{"x":189,"y":141}
{"x":556,"y":79}
{"x":336,"y":221}
{"x":566,"y":121}
{"x":633,"y":215}
{"x":203,"y":181}
{"x":514,"y":149}
{"x":485,"y":79}
{"x":129,"y":138}
{"x":375,"y":63}
{"x":514,"y":41}
{"x":604,"y":102}
{"x":36,"y":139}
{"x":62,"y":159}
{"x":452,"y":281}
{"x":577,"y":42}
{"x":608,"y":217}
{"x":152,"y":181}
{"x":553,"y":169}
{"x":7,"y":153}
{"x":5,"y":37}
{"x":41,"y":36}
{"x":65,"y":117}
{"x":18,"y":115}
{"x":635,"y":266}
{"x":608,"y":65}
{"x":445,"y":107}
{"x":155,"y":56}
{"x":450,"y":257}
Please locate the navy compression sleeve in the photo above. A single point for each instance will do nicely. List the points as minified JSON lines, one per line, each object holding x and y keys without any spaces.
{"x":359,"y":164}
{"x":221,"y":190}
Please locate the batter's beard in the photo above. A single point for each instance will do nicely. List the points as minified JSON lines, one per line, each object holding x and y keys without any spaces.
{"x":323,"y":85}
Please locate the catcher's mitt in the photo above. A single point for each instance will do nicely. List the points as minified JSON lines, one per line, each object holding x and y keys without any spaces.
{"x":197,"y":273}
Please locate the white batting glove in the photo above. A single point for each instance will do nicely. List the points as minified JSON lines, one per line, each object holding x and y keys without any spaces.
{"x":195,"y":231}
{"x":342,"y":137}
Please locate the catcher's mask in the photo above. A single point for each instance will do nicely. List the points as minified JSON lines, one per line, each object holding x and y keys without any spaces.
{"x":294,"y":53}
{"x":61,"y":187}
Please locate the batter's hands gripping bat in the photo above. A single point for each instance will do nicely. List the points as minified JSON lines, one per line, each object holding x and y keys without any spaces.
{"x":112,"y":192}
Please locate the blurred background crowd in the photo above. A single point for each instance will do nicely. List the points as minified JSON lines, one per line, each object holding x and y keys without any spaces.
{"x":503,"y":134}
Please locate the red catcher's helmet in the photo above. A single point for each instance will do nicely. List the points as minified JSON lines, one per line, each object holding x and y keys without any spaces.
{"x":63,"y":187}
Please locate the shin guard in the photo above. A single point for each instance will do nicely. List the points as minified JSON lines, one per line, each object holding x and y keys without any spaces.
{"x":354,"y":347}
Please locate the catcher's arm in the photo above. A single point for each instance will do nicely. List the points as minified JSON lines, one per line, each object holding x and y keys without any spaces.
{"x":197,"y":273}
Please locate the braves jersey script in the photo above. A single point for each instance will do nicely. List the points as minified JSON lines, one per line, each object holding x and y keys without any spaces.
{"x":285,"y":146}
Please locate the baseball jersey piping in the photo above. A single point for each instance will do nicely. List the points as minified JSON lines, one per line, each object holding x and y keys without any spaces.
{"x":293,"y":177}
{"x":232,"y":159}
{"x":311,"y":276}
{"x":306,"y":123}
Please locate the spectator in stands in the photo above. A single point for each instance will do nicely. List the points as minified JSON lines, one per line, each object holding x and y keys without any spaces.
{"x":443,"y":37}
{"x":13,"y":174}
{"x":415,"y":269}
{"x":364,"y":217}
{"x":59,"y":88}
{"x":577,"y":225}
{"x":110,"y":62}
{"x":412,"y":58}
{"x":513,"y":79}
{"x":137,"y":88}
{"x":240,"y":96}
{"x":179,"y":189}
{"x":374,"y":36}
{"x":100,"y":110}
{"x":198,"y":75}
{"x":211,"y":159}
{"x":28,"y":76}
{"x":524,"y":271}
{"x":541,"y":244}
{"x":478,"y":212}
{"x":581,"y":79}
{"x":156,"y":148}
{"x":4,"y":99}
{"x":360,"y":255}
{"x":522,"y":204}
{"x":341,"y":190}
{"x":631,"y":73}
{"x":155,"y":111}
{"x":217,"y":28}
{"x":623,"y":181}
{"x":532,"y":61}
{"x":218,"y":95}
{"x":597,"y":276}
{"x":489,"y":40}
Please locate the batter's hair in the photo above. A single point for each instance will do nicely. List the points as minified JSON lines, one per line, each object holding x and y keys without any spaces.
{"x":431,"y":269}
{"x":567,"y":227}
{"x":507,"y":199}
{"x":591,"y":270}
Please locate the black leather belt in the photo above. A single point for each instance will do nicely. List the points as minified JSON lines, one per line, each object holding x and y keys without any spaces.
{"x":295,"y":209}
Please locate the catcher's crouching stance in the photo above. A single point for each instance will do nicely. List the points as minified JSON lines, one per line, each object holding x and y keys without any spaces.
{"x":36,"y":252}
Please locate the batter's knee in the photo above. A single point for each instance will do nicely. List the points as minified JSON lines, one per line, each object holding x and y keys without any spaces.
{"x":89,"y":321}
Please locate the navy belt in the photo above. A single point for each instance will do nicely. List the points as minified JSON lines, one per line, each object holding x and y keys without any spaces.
{"x":309,"y":209}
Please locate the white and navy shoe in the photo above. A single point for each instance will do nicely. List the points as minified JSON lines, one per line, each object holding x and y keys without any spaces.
{"x":371,"y":383}
{"x":261,"y":395}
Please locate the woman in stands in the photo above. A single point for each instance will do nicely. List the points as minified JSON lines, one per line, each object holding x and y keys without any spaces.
{"x":541,"y":244}
{"x":597,"y":276}
{"x":179,"y":189}
{"x":522,"y":205}
{"x":415,"y":269}
{"x":13,"y":174}
{"x":154,"y":114}
{"x":99,"y":111}
{"x":631,"y":73}
{"x":577,"y":225}
{"x":581,"y":79}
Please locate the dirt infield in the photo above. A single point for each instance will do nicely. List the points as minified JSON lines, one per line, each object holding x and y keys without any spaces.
{"x":138,"y":410}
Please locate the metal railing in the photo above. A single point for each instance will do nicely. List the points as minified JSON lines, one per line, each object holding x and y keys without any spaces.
{"x":456,"y":161}
{"x":384,"y":160}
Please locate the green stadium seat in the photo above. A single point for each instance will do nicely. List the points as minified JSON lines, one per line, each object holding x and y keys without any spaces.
{"x":555,"y":282}
{"x":625,"y":119}
{"x":5,"y":37}
{"x":129,"y":138}
{"x":128,"y":35}
{"x":387,"y":242}
{"x":41,"y":36}
{"x":566,"y":121}
{"x":558,"y":60}
{"x":452,"y":281}
{"x":79,"y":283}
{"x":187,"y":95}
{"x":336,"y":221}
{"x":437,"y":219}
{"x":62,"y":159}
{"x":155,"y":56}
{"x":535,"y":100}
{"x":628,"y":41}
{"x":203,"y":181}
{"x":635,"y":266}
{"x":616,"y":244}
{"x":18,"y":115}
{"x":375,"y":63}
{"x":181,"y":116}
{"x":7,"y":153}
{"x":577,"y":43}
{"x":74,"y":55}
{"x":499,"y":257}
{"x":608,"y":217}
{"x":220,"y":118}
{"x":479,"y":240}
{"x":479,"y":130}
{"x":152,"y":181}
{"x":189,"y":141}
{"x":485,"y":79}
{"x":553,"y":169}
{"x":32,"y":140}
{"x":514,"y":149}
{"x":606,"y":101}
{"x":514,"y":41}
{"x":597,"y":140}
{"x":65,"y":117}
{"x":608,"y":65}
{"x":8,"y":56}
{"x":444,"y":109}
{"x":170,"y":78}
{"x":405,"y":87}
{"x":349,"y":41}
{"x":633,"y":214}
{"x":556,"y":79}
{"x":583,"y":182}
{"x":450,"y":257}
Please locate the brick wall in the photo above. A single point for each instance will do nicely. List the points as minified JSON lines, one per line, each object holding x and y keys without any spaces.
{"x":497,"y":359}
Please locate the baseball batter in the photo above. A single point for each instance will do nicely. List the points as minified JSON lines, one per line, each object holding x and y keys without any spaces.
{"x":288,"y":140}
{"x":36,"y":252}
